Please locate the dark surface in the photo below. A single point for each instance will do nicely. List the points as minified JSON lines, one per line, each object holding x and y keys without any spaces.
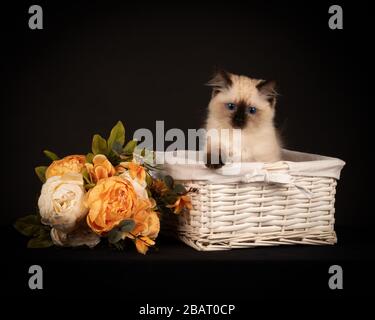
{"x":96,"y":62}
{"x":353,"y":245}
{"x":182,"y":274}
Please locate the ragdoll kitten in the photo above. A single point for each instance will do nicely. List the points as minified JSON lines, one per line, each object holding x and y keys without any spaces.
{"x":240,"y":102}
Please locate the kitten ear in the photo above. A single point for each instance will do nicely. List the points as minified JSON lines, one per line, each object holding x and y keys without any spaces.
{"x":267,"y":88}
{"x":220,"y":81}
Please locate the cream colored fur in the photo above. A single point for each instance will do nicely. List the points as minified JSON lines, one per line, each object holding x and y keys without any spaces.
{"x":259,"y":139}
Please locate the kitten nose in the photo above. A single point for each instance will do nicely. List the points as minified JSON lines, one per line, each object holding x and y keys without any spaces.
{"x":238,"y":122}
{"x":239,"y":117}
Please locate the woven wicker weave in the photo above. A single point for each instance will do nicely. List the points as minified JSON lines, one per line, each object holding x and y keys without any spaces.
{"x":250,"y":214}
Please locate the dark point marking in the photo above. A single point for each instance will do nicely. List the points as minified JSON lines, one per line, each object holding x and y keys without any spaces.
{"x":267,"y":89}
{"x":211,"y":162}
{"x":239,"y":117}
{"x":220,"y":81}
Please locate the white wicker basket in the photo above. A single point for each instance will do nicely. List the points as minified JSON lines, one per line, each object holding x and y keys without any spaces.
{"x":287,"y":202}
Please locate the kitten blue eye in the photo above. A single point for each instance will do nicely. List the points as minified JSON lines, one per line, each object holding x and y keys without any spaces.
{"x":252,"y":110}
{"x":231,"y":106}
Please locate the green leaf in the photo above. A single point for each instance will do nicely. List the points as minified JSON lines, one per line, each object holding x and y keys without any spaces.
{"x":170,"y":198}
{"x":149,"y":193}
{"x":168,"y":180}
{"x":126,"y":158}
{"x":126,"y":225}
{"x":179,"y":189}
{"x":89,"y":157}
{"x":29,"y":226}
{"x":42,"y":241}
{"x":117,"y":148}
{"x":41,"y":173}
{"x":119,"y":245}
{"x":114,"y":236}
{"x":89,"y":186}
{"x":130,"y":146}
{"x":99,"y":145}
{"x":148,"y":180}
{"x":51,"y":155}
{"x":86,"y":177}
{"x":153,"y":167}
{"x":117,"y":135}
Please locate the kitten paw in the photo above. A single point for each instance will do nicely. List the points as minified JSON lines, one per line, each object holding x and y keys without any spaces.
{"x":214,"y":165}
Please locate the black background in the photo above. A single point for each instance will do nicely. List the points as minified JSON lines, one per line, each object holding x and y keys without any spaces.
{"x":98,"y":62}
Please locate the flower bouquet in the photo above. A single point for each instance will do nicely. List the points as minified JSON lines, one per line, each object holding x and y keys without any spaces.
{"x":113,"y":193}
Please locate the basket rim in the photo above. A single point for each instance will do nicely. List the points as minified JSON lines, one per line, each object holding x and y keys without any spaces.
{"x":295,"y":163}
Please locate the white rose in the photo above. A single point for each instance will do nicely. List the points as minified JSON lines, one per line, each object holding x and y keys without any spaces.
{"x":140,"y":188}
{"x":61,"y":202}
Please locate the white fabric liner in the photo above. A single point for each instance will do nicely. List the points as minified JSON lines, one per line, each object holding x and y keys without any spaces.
{"x":295,"y":163}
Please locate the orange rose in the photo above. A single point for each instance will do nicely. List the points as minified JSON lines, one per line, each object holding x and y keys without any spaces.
{"x":183,"y":202}
{"x":136,"y":171}
{"x":69,"y":164}
{"x":100,"y":168}
{"x":143,"y":243}
{"x":110,"y":201}
{"x":147,"y":225}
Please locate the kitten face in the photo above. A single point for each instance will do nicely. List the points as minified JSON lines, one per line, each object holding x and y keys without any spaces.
{"x":242,"y":102}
